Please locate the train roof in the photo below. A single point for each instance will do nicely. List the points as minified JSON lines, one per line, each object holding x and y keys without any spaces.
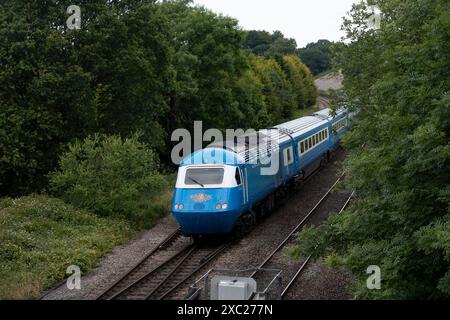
{"x":248,"y":147}
{"x":212,"y":155}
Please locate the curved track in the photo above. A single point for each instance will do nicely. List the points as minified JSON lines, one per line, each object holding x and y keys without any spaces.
{"x":145,"y":281}
{"x":271,"y":261}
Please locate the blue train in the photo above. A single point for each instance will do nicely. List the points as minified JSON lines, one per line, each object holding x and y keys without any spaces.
{"x":227,"y":186}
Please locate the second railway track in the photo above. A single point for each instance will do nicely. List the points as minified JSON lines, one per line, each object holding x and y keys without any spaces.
{"x":273,"y":261}
{"x":150,"y":280}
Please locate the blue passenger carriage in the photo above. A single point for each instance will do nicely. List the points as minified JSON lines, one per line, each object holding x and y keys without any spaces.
{"x":229,"y":184}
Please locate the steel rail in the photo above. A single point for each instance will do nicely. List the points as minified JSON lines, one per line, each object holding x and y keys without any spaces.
{"x":305,"y":263}
{"x":203,"y":263}
{"x":169,"y":238}
{"x":151,"y":272}
{"x":298,"y":226}
{"x":167,"y":277}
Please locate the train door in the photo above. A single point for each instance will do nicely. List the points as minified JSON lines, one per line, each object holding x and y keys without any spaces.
{"x":244,"y":184}
{"x":288,"y":160}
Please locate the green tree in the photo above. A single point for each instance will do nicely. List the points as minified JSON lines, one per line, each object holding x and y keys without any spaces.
{"x":253,"y":109}
{"x":209,"y":60}
{"x":57,"y":85}
{"x":277,"y":90}
{"x":45,"y":97}
{"x":302,"y":82}
{"x":126,"y":47}
{"x":317,"y":56}
{"x":265,"y":44}
{"x":400,"y":153}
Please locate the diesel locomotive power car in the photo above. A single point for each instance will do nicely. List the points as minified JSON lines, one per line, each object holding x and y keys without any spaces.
{"x":224,"y":184}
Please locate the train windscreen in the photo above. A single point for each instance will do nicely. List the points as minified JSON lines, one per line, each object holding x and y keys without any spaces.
{"x":204,"y":176}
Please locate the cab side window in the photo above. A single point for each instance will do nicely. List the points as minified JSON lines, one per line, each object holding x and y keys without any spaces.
{"x":237,"y":176}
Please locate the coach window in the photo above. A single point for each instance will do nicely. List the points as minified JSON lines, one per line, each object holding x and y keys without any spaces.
{"x":302,"y":147}
{"x":237,"y":176}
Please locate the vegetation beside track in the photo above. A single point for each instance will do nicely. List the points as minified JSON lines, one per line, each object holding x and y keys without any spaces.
{"x":41,"y":236}
{"x":399,"y":153}
{"x":116,"y":183}
{"x":73,"y":101}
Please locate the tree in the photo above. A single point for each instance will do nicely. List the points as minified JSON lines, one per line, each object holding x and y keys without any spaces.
{"x":57,"y":85}
{"x":126,"y":47}
{"x":266,"y":44}
{"x":302,"y":82}
{"x":277,"y":90}
{"x":400,"y":153}
{"x":45,"y":97}
{"x":317,"y":56}
{"x":258,"y":42}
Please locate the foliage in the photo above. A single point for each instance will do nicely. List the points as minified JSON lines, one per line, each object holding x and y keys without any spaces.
{"x":400,"y":153}
{"x":302,"y":81}
{"x":317,"y":56}
{"x":135,"y":65}
{"x":111,"y":177}
{"x":277,"y":90}
{"x":265,"y":44}
{"x":209,"y":62}
{"x":126,"y":47}
{"x":42,"y":236}
{"x":57,"y":85}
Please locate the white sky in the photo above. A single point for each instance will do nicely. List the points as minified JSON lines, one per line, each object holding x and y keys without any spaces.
{"x":304,"y":20}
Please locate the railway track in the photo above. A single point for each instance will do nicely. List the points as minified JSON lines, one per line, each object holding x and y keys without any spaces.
{"x":272,"y":261}
{"x":308,"y":259}
{"x":176,"y":259}
{"x":147,"y":281}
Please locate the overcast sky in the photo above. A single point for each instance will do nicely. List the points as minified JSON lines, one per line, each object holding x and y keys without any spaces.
{"x":304,"y":20}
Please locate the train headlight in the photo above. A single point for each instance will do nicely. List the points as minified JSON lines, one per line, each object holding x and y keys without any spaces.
{"x":176,"y":206}
{"x":224,"y":206}
{"x":181,"y":206}
{"x":218,"y":206}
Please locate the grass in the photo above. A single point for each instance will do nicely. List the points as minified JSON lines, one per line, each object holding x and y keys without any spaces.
{"x":41,"y":236}
{"x":157,"y":207}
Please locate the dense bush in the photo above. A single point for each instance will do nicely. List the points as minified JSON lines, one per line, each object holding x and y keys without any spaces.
{"x":111,"y":177}
{"x":40,"y":237}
